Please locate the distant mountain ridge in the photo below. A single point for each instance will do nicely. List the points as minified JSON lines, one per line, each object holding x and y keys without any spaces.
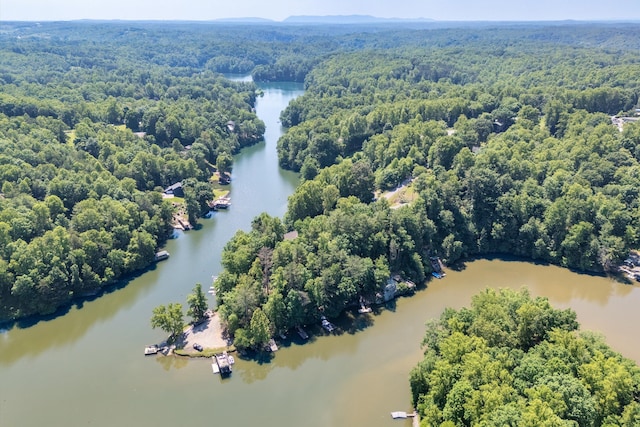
{"x":247,"y":20}
{"x":348,"y":19}
{"x":326,"y":19}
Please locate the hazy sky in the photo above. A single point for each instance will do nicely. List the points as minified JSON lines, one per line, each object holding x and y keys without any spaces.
{"x":466,"y":10}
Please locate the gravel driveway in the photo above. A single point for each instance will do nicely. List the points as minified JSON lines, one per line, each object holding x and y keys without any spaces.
{"x":209,"y":334}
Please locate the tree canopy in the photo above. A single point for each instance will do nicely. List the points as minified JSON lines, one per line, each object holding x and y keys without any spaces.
{"x":510,"y":359}
{"x":503,"y":135}
{"x":169,"y":318}
{"x":197,"y":302}
{"x":93,"y":125}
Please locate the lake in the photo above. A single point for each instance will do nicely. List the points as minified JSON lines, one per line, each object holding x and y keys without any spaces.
{"x":87,"y":366}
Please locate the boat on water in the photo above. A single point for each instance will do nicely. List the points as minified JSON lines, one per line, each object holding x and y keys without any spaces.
{"x":363,"y":310}
{"x":437,"y":275}
{"x":151,"y":349}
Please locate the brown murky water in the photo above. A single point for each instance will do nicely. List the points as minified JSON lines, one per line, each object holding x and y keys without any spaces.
{"x":86,"y":368}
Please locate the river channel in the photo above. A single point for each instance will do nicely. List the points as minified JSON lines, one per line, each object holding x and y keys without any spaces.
{"x":86,"y":368}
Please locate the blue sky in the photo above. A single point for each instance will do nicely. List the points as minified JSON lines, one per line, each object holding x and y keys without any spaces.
{"x":464,"y":10}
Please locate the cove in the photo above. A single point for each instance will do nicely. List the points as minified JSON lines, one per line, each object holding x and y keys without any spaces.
{"x":87,"y":367}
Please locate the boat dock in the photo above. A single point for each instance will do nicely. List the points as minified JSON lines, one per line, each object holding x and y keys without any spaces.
{"x":302,"y":333}
{"x":402,"y":415}
{"x":151,"y":349}
{"x":436,"y":266}
{"x":363,"y":309}
{"x":272,"y":346}
{"x":326,"y":325}
{"x":222,"y":364}
{"x":220,"y":203}
{"x":161,"y":255}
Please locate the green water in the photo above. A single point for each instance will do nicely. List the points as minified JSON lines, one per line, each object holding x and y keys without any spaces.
{"x":87,"y":368}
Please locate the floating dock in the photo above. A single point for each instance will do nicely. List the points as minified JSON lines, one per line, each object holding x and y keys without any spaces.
{"x":220,"y":203}
{"x":272,"y":346}
{"x":222,"y":364}
{"x":402,"y":415}
{"x":161,"y":255}
{"x":151,"y":349}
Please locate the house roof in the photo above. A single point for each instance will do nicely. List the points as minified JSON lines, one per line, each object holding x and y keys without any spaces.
{"x":173,"y":187}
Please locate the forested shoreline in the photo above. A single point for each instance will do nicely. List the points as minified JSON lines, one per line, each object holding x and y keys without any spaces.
{"x":510,"y":359}
{"x":502,"y":131}
{"x":504,"y":137}
{"x":93,"y":126}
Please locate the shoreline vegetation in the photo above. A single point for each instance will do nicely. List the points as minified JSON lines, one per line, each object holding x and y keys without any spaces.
{"x":502,"y":157}
{"x":510,"y":359}
{"x":91,"y":134}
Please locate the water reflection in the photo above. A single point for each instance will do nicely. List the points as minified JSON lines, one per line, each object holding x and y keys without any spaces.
{"x":31,"y":337}
{"x":93,"y":356}
{"x":171,"y":362}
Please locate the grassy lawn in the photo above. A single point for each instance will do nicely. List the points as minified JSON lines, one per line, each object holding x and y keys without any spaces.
{"x":220,"y":192}
{"x":178,"y":200}
{"x":207,"y":352}
{"x":402,"y":196}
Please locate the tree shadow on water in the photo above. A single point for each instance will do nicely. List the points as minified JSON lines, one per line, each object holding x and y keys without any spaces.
{"x":356,"y":322}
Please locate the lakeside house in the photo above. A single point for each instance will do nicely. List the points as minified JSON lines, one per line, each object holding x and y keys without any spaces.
{"x":174,"y":190}
{"x":291,"y":235}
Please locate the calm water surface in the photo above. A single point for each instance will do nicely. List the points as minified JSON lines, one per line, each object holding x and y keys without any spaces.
{"x":86,"y":368}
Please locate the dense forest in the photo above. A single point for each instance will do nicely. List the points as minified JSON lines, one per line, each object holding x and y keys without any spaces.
{"x":511,"y":360}
{"x":501,"y":138}
{"x":97,"y":118}
{"x":94,"y":122}
{"x":502,"y":133}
